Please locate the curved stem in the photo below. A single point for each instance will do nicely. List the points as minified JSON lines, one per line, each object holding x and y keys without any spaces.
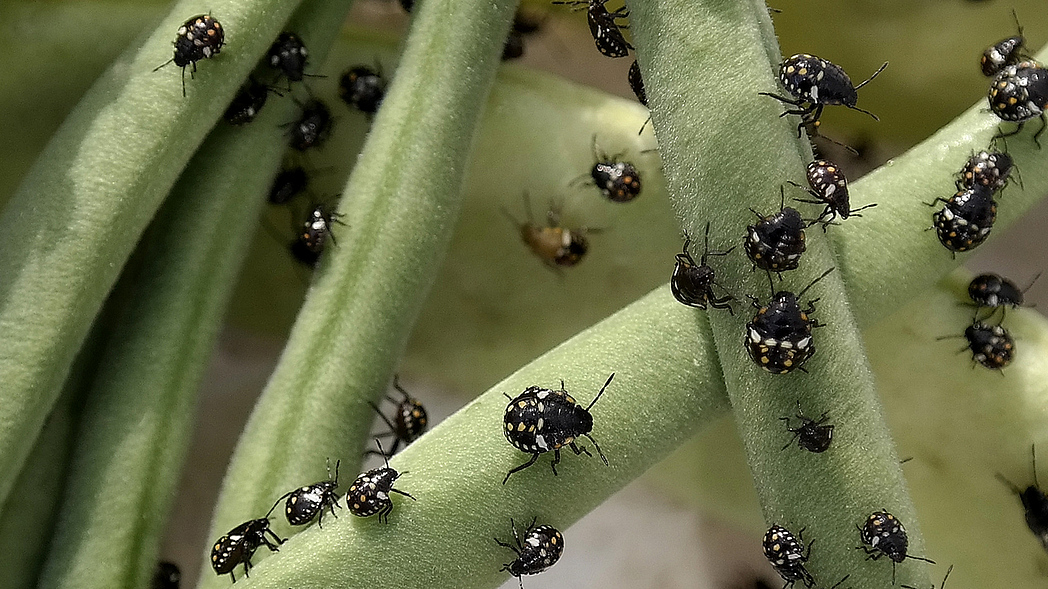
{"x":666,"y":388}
{"x":755,"y":153}
{"x":399,"y":207}
{"x":72,"y":224}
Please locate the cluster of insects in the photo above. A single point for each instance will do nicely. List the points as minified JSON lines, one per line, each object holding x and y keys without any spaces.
{"x":779,"y":337}
{"x":990,"y":344}
{"x":361,"y":87}
{"x":967,"y":217}
{"x":537,"y":421}
{"x":557,"y":246}
{"x":880,"y":535}
{"x":368,"y":495}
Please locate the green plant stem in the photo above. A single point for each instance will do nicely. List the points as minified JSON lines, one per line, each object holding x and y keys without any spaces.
{"x":137,"y":420}
{"x":721,"y":58}
{"x":28,"y":518}
{"x":68,"y":230}
{"x":663,"y":392}
{"x":398,"y":209}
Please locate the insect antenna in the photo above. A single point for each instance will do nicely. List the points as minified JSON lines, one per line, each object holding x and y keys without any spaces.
{"x":823,"y":275}
{"x":606,"y":383}
{"x":875,"y":74}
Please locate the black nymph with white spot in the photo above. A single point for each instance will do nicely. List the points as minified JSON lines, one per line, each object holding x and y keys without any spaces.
{"x":967,"y":218}
{"x":308,"y":502}
{"x":362,"y":88}
{"x":1035,"y":503}
{"x":814,"y":84}
{"x":408,"y":422}
{"x":247,"y":103}
{"x":829,"y":186}
{"x":617,"y":180}
{"x":883,"y":535}
{"x":775,"y":243}
{"x":240,"y":544}
{"x":987,"y":168}
{"x":991,"y":345}
{"x":811,"y":435}
{"x":312,"y":128}
{"x":201,"y":37}
{"x":540,"y":549}
{"x":1005,"y":52}
{"x":779,"y":337}
{"x":313,"y":237}
{"x":540,"y":420}
{"x":606,"y":32}
{"x":997,"y":292}
{"x":787,"y":556}
{"x":1019,"y":93}
{"x":289,"y":55}
{"x":637,"y":83}
{"x":369,"y":494}
{"x":692,"y":284}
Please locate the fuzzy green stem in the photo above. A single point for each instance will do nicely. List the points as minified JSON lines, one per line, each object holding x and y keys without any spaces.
{"x":397,"y":212}
{"x":666,"y":388}
{"x":137,"y":420}
{"x":721,"y":58}
{"x":68,"y":230}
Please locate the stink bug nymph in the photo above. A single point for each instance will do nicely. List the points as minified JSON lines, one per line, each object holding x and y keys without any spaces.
{"x":240,"y":544}
{"x":776,"y":242}
{"x":409,"y":419}
{"x":967,"y":218}
{"x":787,"y":556}
{"x":1018,"y":94}
{"x":814,"y":84}
{"x":637,"y":83}
{"x":827,"y":183}
{"x":997,"y":292}
{"x":369,"y":494}
{"x":314,"y":234}
{"x":289,"y":55}
{"x":692,"y":284}
{"x":883,"y":535}
{"x":362,"y":88}
{"x":554,"y":245}
{"x":201,"y":37}
{"x":990,"y":169}
{"x":312,"y":128}
{"x":308,"y":502}
{"x":617,"y":180}
{"x":991,"y":345}
{"x":1004,"y":52}
{"x":602,"y":25}
{"x":779,"y":337}
{"x":540,"y":549}
{"x":1035,"y":503}
{"x":539,"y":420}
{"x":811,"y":435}
{"x":247,"y":103}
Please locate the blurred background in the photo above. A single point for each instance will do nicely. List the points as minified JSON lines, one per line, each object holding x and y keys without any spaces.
{"x":470,"y":336}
